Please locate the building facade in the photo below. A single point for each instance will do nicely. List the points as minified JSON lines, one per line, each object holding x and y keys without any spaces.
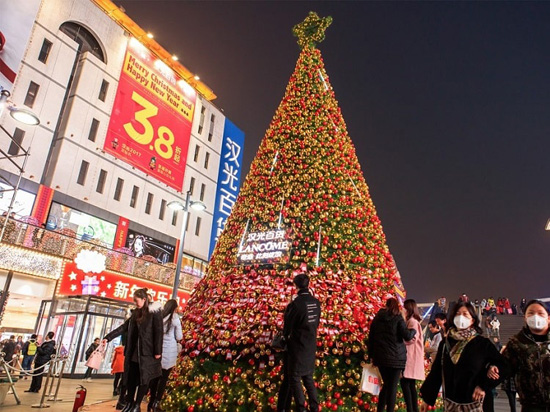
{"x":124,"y":131}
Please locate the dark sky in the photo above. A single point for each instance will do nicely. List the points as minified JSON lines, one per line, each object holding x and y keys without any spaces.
{"x":448,"y":105}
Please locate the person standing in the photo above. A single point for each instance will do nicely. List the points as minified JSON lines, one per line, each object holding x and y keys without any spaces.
{"x":528,"y":354}
{"x":433,"y":343}
{"x":386,"y":348}
{"x":44,"y":354}
{"x":414,"y":368}
{"x":29,"y":352}
{"x":301,"y":321}
{"x":462,"y":363}
{"x":143,"y":350}
{"x":89,"y":351}
{"x":117,"y":369}
{"x":172,"y":335}
{"x":9,"y":349}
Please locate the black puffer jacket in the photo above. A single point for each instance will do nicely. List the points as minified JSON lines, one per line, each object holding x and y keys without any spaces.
{"x":386,"y":336}
{"x":146,"y":338}
{"x":44,"y":353}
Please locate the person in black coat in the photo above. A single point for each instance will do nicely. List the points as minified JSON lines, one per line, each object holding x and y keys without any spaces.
{"x":466,"y":359}
{"x":9,"y":349}
{"x":301,"y":321}
{"x":143,"y":350}
{"x":43,"y":355}
{"x":89,"y":351}
{"x":386,"y":348}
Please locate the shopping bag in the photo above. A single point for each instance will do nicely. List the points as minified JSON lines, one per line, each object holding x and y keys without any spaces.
{"x":95,"y":359}
{"x":279,"y":342}
{"x":370,"y":380}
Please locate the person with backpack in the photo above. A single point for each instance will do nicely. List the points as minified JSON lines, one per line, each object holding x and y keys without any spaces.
{"x":29,"y":352}
{"x":43,"y":355}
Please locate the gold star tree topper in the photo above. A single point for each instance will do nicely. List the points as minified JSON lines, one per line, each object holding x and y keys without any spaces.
{"x":312,"y":30}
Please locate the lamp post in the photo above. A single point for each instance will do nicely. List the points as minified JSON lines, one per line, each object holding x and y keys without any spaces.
{"x":22,"y":116}
{"x":177,"y":205}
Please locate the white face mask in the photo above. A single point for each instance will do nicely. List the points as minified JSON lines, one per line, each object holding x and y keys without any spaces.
{"x":462,"y":322}
{"x":537,"y":322}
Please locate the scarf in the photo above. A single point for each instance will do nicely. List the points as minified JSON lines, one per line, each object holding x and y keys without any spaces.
{"x":462,"y":337}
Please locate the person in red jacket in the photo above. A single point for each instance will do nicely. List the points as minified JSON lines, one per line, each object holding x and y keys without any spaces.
{"x":117,"y":368}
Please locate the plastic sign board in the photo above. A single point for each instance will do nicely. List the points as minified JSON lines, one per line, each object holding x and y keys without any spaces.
{"x":150,"y":124}
{"x":270,"y":246}
{"x":16,"y":22}
{"x":112,"y":285}
{"x":229,"y":177}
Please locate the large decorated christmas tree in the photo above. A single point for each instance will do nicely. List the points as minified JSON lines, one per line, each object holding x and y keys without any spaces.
{"x":304,"y":208}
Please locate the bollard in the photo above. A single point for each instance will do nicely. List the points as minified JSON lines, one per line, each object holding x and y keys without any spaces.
{"x":42,"y":404}
{"x":8,"y":375}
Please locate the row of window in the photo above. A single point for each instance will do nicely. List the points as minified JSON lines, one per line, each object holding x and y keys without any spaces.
{"x":43,"y":55}
{"x":212,"y":122}
{"x":100,"y":187}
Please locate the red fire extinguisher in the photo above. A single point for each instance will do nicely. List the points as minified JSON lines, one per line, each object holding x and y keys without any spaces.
{"x":79,"y":398}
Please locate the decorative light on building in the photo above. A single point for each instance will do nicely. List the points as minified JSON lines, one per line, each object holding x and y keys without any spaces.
{"x":90,"y":261}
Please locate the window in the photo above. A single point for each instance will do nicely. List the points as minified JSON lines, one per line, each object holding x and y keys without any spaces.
{"x":206,"y":160}
{"x":133,"y":199}
{"x":101,"y":181}
{"x":45,"y":51}
{"x":31,"y":94}
{"x":162,"y":209}
{"x":198,"y":226}
{"x":211,"y":131}
{"x":85,"y":39}
{"x":174,"y":217}
{"x":192,"y":185}
{"x":201,"y":121}
{"x":118,"y":189}
{"x":196,"y":155}
{"x":149,"y":203}
{"x":83,"y":172}
{"x":15,"y":144}
{"x":93,"y":130}
{"x":103,"y":90}
{"x":203,"y":189}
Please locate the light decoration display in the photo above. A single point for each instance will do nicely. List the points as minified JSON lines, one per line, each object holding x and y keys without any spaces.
{"x":22,"y":260}
{"x":90,"y":261}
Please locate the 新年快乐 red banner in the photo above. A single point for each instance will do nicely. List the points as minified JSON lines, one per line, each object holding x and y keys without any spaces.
{"x":150,"y":124}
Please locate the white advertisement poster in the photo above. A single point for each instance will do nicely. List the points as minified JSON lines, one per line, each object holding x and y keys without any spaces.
{"x":16,"y":20}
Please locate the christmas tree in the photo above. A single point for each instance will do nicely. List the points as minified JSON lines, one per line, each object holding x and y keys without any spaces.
{"x":304,"y":208}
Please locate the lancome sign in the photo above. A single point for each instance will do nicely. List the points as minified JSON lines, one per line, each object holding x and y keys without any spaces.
{"x":272,"y":246}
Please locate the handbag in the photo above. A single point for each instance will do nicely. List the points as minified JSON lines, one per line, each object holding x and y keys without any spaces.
{"x":96,"y":358}
{"x":452,"y":406}
{"x":279,"y":342}
{"x":370,"y":380}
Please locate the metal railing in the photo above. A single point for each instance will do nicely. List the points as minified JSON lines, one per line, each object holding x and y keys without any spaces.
{"x":64,"y":244}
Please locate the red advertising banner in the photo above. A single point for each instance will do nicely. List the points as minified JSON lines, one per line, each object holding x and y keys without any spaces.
{"x":112,"y":285}
{"x":150,"y":124}
{"x":42,"y":204}
{"x":121,"y":233}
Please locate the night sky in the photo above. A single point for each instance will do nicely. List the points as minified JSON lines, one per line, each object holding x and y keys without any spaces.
{"x":448,"y":105}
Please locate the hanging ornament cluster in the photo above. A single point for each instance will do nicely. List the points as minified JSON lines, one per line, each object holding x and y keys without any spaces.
{"x":306,"y":180}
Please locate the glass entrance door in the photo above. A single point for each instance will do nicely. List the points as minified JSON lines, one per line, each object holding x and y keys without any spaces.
{"x":77,"y":321}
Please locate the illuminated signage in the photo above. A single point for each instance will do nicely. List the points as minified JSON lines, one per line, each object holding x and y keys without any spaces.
{"x":271,"y":246}
{"x":107,"y":284}
{"x":229,"y":176}
{"x":150,"y":124}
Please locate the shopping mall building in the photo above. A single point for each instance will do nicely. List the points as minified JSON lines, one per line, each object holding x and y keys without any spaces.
{"x":125,"y":130}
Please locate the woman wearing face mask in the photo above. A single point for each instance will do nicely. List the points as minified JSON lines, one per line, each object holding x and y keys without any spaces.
{"x":528,"y":354}
{"x":143,"y":350}
{"x":462,"y":363}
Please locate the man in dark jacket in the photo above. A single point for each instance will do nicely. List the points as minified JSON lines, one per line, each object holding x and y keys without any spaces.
{"x":9,"y":348}
{"x":300,"y":331}
{"x":43,"y":355}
